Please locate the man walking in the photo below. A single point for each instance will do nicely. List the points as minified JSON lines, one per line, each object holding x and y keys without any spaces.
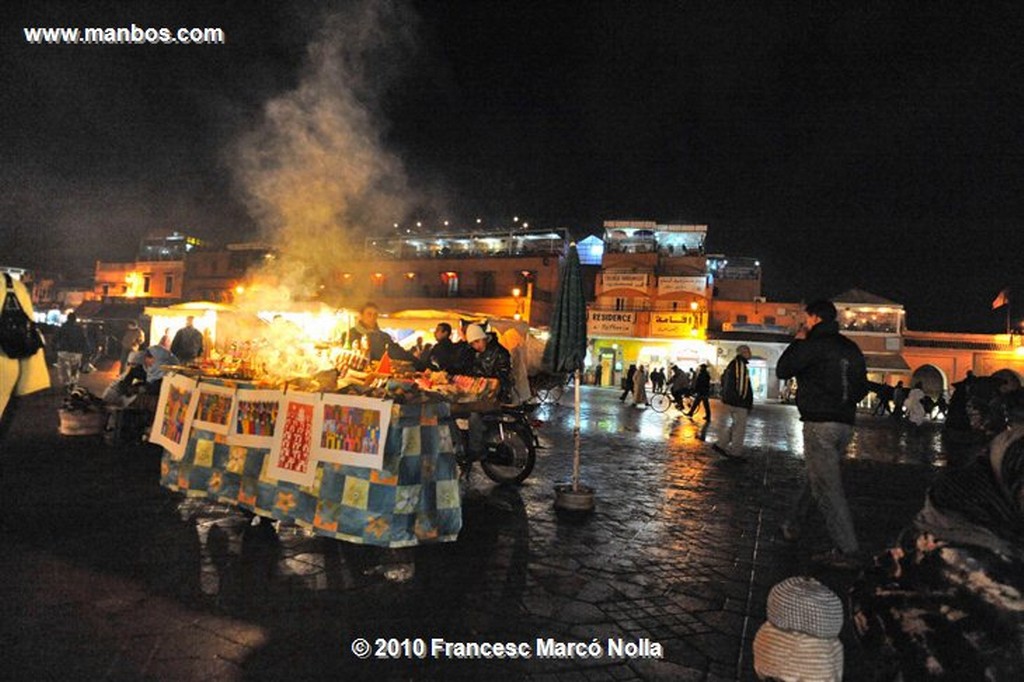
{"x":701,"y":391}
{"x":738,"y":397}
{"x":831,"y":374}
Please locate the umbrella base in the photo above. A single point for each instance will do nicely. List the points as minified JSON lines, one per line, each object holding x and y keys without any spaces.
{"x":581,"y":499}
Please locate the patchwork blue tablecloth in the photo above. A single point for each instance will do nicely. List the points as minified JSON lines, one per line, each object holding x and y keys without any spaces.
{"x":413,"y":500}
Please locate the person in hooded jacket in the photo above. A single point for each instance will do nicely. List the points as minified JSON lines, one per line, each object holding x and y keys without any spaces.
{"x":738,"y":396}
{"x":832,"y":378}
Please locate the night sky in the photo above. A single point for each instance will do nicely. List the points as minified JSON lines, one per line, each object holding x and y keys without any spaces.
{"x":859,"y":146}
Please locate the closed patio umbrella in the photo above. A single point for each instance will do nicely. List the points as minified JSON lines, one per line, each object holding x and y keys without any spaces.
{"x":567,"y":347}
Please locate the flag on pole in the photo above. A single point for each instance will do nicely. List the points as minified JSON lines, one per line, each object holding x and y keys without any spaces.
{"x":1002,"y":299}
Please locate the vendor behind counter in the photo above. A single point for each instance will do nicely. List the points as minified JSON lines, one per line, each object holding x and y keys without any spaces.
{"x":378,"y":341}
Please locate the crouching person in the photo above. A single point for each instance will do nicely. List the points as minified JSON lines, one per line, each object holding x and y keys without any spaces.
{"x":948,"y":601}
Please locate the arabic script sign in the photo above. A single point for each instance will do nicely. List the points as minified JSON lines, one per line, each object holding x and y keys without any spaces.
{"x":674,"y":285}
{"x":672,"y":324}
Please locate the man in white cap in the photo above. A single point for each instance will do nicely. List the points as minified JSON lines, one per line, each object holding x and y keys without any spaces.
{"x":738,"y":397}
{"x":492,"y":361}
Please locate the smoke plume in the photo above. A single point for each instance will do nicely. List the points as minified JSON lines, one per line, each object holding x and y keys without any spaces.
{"x":315,"y":173}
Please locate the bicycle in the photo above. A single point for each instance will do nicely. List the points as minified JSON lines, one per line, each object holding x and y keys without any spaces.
{"x":662,"y":399}
{"x":548,"y":388}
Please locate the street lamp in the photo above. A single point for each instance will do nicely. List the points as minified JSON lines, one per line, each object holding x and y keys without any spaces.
{"x":517,"y":297}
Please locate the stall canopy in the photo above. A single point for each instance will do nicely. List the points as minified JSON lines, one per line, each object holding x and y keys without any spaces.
{"x":169,"y":319}
{"x":102,"y":311}
{"x":516,"y":336}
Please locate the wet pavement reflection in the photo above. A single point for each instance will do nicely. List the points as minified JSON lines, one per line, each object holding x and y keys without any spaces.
{"x":681,"y":549}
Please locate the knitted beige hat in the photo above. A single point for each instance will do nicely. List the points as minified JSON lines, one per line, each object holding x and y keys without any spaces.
{"x":796,"y":657}
{"x":805,"y":605}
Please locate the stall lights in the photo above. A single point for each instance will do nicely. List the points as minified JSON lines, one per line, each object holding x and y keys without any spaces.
{"x":410,"y":275}
{"x":517,"y":292}
{"x":239,"y":289}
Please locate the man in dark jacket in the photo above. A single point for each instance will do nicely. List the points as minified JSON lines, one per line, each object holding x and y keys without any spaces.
{"x":738,"y":396}
{"x":188,"y":342}
{"x":492,"y":360}
{"x":832,"y":378}
{"x":701,"y":391}
{"x":453,"y":358}
{"x":627,"y":383}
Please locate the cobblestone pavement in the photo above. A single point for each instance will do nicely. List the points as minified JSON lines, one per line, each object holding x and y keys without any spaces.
{"x":108,"y":576}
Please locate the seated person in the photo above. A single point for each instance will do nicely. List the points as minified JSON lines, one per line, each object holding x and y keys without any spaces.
{"x":123,"y":390}
{"x":155,"y":360}
{"x":948,"y":601}
{"x":494,"y":362}
{"x":446,"y":355}
{"x":377,"y":340}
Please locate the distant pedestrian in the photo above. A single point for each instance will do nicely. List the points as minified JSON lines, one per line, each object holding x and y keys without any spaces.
{"x":738,"y":397}
{"x":597,"y":375}
{"x":188,"y":342}
{"x":701,"y":393}
{"x":657,"y":379}
{"x":640,"y":387}
{"x":72,"y":348}
{"x":627,"y":383}
{"x":832,"y":376}
{"x":679,"y":385}
{"x":899,"y":397}
{"x":884,"y":394}
{"x":914,"y":404}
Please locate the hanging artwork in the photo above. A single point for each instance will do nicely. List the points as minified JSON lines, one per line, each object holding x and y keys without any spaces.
{"x":351,"y":430}
{"x":291,"y":455}
{"x":213,"y":408}
{"x":254,"y":418}
{"x":174,"y":412}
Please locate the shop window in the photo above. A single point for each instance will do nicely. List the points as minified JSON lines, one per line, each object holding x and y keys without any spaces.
{"x":485,"y":284}
{"x":769,"y":319}
{"x":741,"y":319}
{"x":168,"y":284}
{"x":146,"y":279}
{"x":106,"y":289}
{"x":451,"y":283}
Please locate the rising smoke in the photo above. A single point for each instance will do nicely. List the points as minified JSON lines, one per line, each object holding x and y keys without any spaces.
{"x":315,"y":173}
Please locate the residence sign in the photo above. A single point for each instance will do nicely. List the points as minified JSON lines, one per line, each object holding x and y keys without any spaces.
{"x":611,"y":323}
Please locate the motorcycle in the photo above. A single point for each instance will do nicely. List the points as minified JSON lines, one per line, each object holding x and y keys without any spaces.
{"x":510,"y":444}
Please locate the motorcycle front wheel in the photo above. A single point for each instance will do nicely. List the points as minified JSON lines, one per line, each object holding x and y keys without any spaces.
{"x":510,"y":459}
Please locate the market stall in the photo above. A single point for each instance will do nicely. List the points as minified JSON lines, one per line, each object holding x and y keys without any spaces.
{"x":359,"y":451}
{"x":357,"y":469}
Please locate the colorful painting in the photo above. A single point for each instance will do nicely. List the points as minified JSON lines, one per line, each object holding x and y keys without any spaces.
{"x":291,"y":456}
{"x":254,"y":418}
{"x":174,"y":412}
{"x":351,"y":430}
{"x":213,"y":408}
